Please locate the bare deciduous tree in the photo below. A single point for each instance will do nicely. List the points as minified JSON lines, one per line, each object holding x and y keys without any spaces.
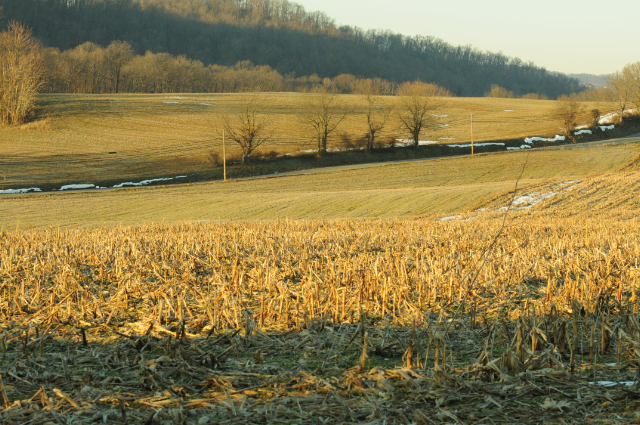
{"x":116,"y":57}
{"x":500,"y":92}
{"x":21,"y":73}
{"x":376,"y":114}
{"x":416,"y":112}
{"x":633,"y":73}
{"x":248,"y":127}
{"x":567,"y":112}
{"x":620,"y":84}
{"x":323,"y":116}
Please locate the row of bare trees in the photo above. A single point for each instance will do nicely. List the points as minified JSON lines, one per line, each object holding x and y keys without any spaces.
{"x":21,"y":73}
{"x":500,"y":92}
{"x":249,"y":128}
{"x":90,"y":68}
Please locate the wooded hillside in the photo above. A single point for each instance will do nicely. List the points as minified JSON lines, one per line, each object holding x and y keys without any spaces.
{"x":282,"y":35}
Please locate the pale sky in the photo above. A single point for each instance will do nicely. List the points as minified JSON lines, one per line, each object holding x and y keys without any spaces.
{"x":571,"y":36}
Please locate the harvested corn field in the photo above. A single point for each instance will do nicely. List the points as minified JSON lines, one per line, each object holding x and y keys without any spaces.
{"x":367,"y":321}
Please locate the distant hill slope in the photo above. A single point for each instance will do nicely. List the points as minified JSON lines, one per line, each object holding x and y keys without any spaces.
{"x":591,"y":79}
{"x":282,"y":35}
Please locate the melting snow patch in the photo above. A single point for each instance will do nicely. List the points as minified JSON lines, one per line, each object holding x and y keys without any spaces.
{"x":577,"y":133}
{"x":10,"y":191}
{"x":451,"y":217}
{"x":521,"y":147}
{"x":532,"y":199}
{"x":143,"y":182}
{"x":542,"y":139}
{"x":607,"y":119}
{"x":582,"y":127}
{"x":568,"y":183}
{"x":173,"y":103}
{"x":206,"y":104}
{"x":77,"y":186}
{"x":181,"y":177}
{"x":613,"y":384}
{"x":607,"y":127}
{"x":509,"y":110}
{"x":410,"y":142}
{"x":440,"y":116}
{"x":476,"y":144}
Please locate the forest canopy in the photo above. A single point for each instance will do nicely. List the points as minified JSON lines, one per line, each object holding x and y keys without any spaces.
{"x":280,"y":35}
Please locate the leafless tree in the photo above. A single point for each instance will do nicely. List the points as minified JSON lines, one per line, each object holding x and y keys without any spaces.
{"x":21,"y":73}
{"x":323,"y":116}
{"x":632,"y":72}
{"x":416,"y":112}
{"x":501,"y":92}
{"x":621,"y":84}
{"x":248,"y":127}
{"x":116,"y":56}
{"x":376,"y":114}
{"x":567,"y":112}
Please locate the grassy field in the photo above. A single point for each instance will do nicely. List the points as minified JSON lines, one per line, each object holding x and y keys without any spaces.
{"x":160,"y":135}
{"x":406,"y":190}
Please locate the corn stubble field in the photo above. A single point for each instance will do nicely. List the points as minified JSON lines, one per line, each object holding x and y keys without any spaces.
{"x":532,"y":319}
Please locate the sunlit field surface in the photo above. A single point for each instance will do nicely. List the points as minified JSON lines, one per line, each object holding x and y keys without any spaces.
{"x":92,"y":138}
{"x":406,"y":190}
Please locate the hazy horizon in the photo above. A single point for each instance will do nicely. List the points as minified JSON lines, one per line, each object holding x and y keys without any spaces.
{"x":561,"y":35}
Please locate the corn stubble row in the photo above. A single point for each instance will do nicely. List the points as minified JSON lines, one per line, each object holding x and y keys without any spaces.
{"x":242,"y":322}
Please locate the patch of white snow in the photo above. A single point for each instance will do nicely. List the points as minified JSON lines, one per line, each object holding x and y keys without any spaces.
{"x":476,"y":144}
{"x":11,"y":191}
{"x":558,"y":138}
{"x":532,"y":199}
{"x":77,"y":186}
{"x":613,"y":384}
{"x":410,"y":142}
{"x":142,"y":183}
{"x":451,"y":217}
{"x":578,"y":133}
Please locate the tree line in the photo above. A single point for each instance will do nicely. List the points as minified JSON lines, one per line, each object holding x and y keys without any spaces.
{"x":90,"y":68}
{"x":283,"y":36}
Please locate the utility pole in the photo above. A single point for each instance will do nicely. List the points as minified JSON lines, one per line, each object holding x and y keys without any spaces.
{"x":471,"y":134}
{"x":224,"y":157}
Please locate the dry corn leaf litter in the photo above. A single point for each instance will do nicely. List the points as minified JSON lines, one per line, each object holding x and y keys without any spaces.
{"x":322,"y":322}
